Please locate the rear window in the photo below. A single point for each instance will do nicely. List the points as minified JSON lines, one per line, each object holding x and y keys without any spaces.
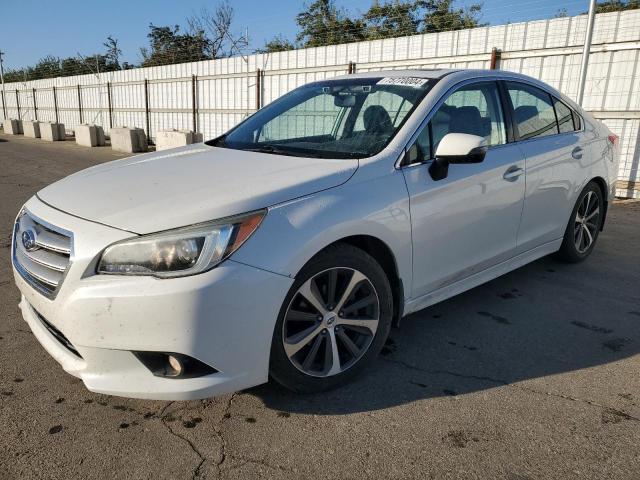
{"x":565,"y":117}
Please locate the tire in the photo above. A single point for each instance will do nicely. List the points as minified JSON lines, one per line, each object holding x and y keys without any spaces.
{"x":304,"y":362}
{"x":584,"y":226}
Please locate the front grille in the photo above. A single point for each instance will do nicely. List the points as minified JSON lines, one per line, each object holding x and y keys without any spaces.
{"x":41,"y":253}
{"x":59,"y":336}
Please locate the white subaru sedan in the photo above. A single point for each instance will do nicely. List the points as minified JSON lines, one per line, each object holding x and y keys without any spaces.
{"x":288,"y":247}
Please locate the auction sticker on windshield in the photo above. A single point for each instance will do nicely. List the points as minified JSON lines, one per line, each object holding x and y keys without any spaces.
{"x":406,"y":81}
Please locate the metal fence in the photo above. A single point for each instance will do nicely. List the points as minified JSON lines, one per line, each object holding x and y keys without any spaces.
{"x":212,"y":96}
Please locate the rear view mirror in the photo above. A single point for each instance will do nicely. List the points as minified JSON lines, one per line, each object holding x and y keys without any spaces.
{"x":457,"y":148}
{"x":344,"y":100}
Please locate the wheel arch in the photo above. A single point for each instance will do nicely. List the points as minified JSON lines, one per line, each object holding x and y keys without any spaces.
{"x":602,"y":184}
{"x":385,"y":257}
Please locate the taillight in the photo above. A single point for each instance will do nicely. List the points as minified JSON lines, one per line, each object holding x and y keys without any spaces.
{"x":613,"y":139}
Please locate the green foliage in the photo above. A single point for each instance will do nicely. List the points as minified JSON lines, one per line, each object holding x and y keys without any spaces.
{"x":51,"y":67}
{"x":441,"y":16}
{"x":169,"y":46}
{"x":322,"y":23}
{"x":277,"y":44}
{"x":617,"y":5}
{"x":392,"y":19}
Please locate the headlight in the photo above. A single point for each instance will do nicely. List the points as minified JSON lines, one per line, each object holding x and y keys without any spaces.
{"x":185,"y":251}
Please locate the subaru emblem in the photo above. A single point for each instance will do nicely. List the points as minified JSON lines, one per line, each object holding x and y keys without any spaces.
{"x":29,"y":240}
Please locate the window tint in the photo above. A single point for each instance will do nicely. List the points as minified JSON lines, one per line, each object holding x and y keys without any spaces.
{"x":315,"y":117}
{"x":345,"y":118}
{"x":394,"y":104}
{"x":533,"y":111}
{"x":474,"y":109}
{"x":577,"y":121}
{"x":565,"y":117}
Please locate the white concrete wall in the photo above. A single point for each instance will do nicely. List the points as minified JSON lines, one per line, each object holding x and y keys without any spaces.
{"x":226,"y":88}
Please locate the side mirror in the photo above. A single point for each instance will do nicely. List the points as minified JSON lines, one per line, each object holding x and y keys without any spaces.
{"x":457,"y":148}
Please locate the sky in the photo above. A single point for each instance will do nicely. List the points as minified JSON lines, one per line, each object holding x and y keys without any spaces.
{"x":33,"y":29}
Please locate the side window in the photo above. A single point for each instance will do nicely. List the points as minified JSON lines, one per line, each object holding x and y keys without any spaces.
{"x":533,"y":111}
{"x":577,"y":121}
{"x":565,"y":117}
{"x":474,"y":109}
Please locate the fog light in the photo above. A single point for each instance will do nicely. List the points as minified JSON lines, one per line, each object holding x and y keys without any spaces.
{"x":174,"y":365}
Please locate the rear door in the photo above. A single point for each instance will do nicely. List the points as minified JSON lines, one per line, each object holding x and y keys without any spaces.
{"x":550,"y":138}
{"x":469,"y":220}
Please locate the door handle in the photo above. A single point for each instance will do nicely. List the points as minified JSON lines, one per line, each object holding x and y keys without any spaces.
{"x":577,"y":153}
{"x":512,"y":173}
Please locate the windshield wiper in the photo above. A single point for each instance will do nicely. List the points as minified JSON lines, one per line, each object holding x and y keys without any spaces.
{"x":274,"y":150}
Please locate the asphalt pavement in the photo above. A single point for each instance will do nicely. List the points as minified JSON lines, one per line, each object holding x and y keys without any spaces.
{"x":535,"y":375}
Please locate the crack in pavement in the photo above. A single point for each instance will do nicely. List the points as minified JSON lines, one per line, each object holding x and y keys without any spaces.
{"x":223,"y":441}
{"x":263,"y":462}
{"x":515,"y":386}
{"x":196,"y":471}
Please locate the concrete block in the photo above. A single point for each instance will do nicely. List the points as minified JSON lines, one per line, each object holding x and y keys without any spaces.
{"x":31,"y":129}
{"x":12,"y":126}
{"x":90,"y":135}
{"x":130,"y":140}
{"x":166,"y":139}
{"x":52,"y":132}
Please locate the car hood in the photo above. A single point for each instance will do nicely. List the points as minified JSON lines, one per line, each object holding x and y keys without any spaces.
{"x":162,"y":190}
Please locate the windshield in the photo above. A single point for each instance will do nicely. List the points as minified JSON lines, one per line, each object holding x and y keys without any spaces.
{"x":350,"y":118}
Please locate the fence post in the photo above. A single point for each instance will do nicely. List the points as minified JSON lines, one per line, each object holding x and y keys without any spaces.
{"x":18,"y":103}
{"x":35,"y":105}
{"x":194,"y":107}
{"x":55,"y":103}
{"x":258,"y":89}
{"x":109,"y":104}
{"x":146,"y":108}
{"x":80,"y":105}
{"x":586,"y":51}
{"x":496,"y":54}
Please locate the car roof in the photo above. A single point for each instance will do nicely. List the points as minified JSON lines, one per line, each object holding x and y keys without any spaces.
{"x":435,"y":73}
{"x":413,"y":73}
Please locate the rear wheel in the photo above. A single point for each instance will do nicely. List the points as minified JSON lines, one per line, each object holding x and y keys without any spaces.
{"x":584,"y":225}
{"x":333,"y":322}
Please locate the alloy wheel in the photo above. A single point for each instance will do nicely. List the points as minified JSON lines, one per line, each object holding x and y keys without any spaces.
{"x":587,"y":222}
{"x":331,"y":321}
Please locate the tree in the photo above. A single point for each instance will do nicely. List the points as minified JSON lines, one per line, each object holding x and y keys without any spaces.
{"x":112,"y":55}
{"x":169,"y":46}
{"x":617,"y":5}
{"x":393,"y":19}
{"x":277,"y":44}
{"x":441,"y":16}
{"x":322,"y":23}
{"x":215,"y":27}
{"x":47,"y":67}
{"x":561,"y":13}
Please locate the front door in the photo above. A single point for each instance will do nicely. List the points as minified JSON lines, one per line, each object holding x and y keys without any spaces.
{"x":469,"y":220}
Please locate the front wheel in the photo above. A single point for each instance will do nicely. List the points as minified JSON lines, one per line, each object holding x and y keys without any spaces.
{"x":584,"y":225}
{"x":333,"y":322}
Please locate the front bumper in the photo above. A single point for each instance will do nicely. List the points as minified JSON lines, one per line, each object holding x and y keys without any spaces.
{"x":224,"y":318}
